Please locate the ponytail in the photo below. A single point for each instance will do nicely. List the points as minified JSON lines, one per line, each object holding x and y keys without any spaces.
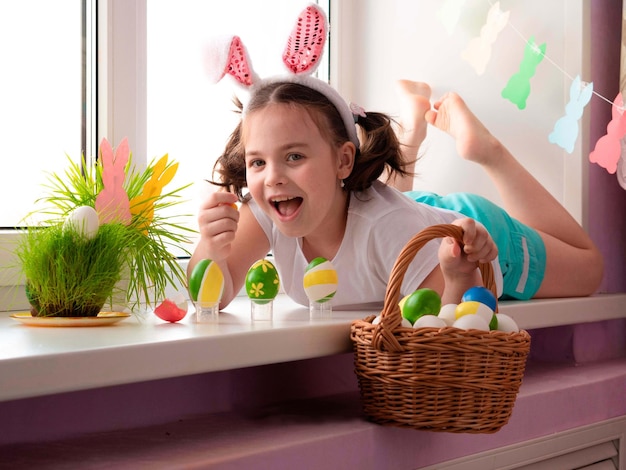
{"x":380,"y":150}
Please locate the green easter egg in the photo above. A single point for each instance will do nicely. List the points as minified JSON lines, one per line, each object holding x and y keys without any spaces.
{"x":421,"y":302}
{"x":262,"y":282}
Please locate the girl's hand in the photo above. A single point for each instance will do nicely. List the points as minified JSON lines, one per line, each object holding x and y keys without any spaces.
{"x":217,"y":223}
{"x":461,"y":260}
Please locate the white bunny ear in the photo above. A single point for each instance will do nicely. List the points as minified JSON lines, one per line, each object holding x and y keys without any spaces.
{"x":306,"y":43}
{"x":227,"y":54}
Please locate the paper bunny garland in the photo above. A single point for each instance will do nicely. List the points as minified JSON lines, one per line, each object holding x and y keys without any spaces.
{"x":301,"y":57}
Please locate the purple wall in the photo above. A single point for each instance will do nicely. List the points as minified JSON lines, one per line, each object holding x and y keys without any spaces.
{"x":607,"y":199}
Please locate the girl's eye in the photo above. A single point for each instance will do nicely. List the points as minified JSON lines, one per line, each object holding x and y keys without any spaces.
{"x":294,"y":157}
{"x":256,"y":163}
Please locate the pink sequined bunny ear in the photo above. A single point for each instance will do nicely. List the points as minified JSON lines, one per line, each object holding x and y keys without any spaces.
{"x":306,"y":41}
{"x":228,"y":55}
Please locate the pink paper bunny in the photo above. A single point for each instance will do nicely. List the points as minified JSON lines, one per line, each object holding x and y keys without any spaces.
{"x":112,"y":202}
{"x":609,"y":148}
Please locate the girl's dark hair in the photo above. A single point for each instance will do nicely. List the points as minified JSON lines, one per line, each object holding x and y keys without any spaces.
{"x":379,"y":149}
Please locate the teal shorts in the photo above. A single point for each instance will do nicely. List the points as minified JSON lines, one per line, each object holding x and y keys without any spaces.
{"x":521,"y":251}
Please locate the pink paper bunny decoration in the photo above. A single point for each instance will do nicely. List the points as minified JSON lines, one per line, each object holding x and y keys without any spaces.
{"x":301,"y":57}
{"x":112,"y":202}
{"x":609,"y":147}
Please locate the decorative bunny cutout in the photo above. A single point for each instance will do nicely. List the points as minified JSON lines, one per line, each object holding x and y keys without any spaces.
{"x":608,"y":149}
{"x":301,"y":57}
{"x":565,"y":130}
{"x":478,"y":50}
{"x":517,"y":89}
{"x":112,"y":202}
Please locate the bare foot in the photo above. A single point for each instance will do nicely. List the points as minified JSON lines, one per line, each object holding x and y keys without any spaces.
{"x":415,"y":102}
{"x":473,"y":141}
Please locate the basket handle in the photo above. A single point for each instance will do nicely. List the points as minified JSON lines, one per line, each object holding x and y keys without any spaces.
{"x":391,"y":318}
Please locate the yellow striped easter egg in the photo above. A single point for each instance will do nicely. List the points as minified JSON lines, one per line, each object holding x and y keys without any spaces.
{"x":320,"y":280}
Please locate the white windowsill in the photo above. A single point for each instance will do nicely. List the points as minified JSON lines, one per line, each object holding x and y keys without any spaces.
{"x":38,"y":361}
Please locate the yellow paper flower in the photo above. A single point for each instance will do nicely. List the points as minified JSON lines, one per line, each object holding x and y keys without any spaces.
{"x":143,"y":204}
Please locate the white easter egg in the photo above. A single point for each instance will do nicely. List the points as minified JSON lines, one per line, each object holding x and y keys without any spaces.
{"x":506,"y":323}
{"x":429,"y":321}
{"x":405,"y":323}
{"x":471,"y":322}
{"x":84,"y":220}
{"x":448,"y":313}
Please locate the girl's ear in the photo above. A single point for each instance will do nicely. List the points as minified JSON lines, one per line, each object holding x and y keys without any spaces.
{"x":345,"y":159}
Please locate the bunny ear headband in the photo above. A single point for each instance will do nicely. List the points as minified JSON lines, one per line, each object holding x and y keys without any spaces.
{"x":301,"y":56}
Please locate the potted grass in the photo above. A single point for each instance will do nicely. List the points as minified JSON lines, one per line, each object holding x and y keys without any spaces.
{"x":103,"y":233}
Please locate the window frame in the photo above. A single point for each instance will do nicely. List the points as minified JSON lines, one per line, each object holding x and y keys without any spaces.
{"x":115,"y":58}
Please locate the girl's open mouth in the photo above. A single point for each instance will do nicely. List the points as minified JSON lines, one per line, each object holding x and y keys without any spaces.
{"x":286,"y":206}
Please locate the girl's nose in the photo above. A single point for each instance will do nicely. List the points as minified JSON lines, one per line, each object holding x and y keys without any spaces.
{"x":274,"y":175}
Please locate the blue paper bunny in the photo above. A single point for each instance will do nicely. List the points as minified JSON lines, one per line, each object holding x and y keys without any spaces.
{"x":565,"y":130}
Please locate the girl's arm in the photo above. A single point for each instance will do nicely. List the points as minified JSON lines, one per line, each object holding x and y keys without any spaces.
{"x":231,"y":238}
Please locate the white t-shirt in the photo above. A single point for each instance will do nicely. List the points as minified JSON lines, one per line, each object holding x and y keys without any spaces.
{"x":381,"y":220}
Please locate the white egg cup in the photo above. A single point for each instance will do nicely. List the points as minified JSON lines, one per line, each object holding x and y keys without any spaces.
{"x":320,"y":310}
{"x":262,"y":312}
{"x":207,"y":312}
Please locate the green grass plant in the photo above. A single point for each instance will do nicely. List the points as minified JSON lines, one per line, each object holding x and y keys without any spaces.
{"x":68,"y":274}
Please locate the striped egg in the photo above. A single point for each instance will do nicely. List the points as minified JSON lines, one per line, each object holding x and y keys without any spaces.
{"x":262,"y":282}
{"x":206,"y":282}
{"x":320,"y":280}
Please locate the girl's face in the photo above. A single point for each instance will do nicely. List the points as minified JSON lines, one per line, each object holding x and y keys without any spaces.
{"x":293,"y":173}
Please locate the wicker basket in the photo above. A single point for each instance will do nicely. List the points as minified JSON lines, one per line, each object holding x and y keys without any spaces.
{"x":447,"y":379}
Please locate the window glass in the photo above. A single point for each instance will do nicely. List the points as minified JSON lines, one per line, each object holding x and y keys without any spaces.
{"x":40,"y":96}
{"x":188,"y":117}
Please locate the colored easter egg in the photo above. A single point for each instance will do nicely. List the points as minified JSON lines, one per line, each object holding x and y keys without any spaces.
{"x":320,"y":280}
{"x":421,"y":302}
{"x":473,"y":307}
{"x":206,"y":282}
{"x":172,"y":310}
{"x":262,"y":282}
{"x":480,"y":294}
{"x":84,"y":220}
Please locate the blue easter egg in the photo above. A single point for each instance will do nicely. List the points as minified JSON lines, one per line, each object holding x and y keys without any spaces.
{"x":482,"y":295}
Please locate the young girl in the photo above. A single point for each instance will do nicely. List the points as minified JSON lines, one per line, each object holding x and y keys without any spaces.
{"x":314,"y":191}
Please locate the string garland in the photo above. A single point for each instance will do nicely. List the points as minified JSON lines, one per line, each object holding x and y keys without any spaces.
{"x":607,"y":152}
